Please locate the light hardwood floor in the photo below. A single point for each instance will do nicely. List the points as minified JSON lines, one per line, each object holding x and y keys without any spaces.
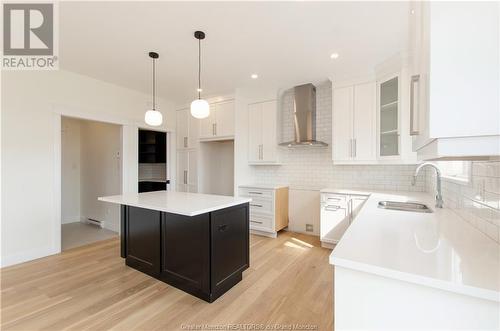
{"x":289,"y":282}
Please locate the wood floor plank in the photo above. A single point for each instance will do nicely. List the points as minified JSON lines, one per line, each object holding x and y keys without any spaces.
{"x":90,"y":288}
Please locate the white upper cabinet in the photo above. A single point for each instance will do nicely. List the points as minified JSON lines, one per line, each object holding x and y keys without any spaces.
{"x":187,"y":130}
{"x":219,"y":125}
{"x":262,"y":143}
{"x":388,"y":106}
{"x":342,"y":123}
{"x":364,"y":121}
{"x":455,"y":79}
{"x":353,"y":124}
{"x":182,"y":128}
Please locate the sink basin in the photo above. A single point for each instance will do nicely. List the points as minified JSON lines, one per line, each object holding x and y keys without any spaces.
{"x":405,"y":206}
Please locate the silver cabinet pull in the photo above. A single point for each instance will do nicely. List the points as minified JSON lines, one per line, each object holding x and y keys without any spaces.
{"x":215,"y":128}
{"x":186,"y":142}
{"x":254,"y":205}
{"x":257,"y":222}
{"x":414,"y":129}
{"x":337,"y":199}
{"x":185,"y":176}
{"x":332,"y":207}
{"x":254,"y":192}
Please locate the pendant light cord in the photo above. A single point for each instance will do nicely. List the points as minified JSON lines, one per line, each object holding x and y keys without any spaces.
{"x":199,"y":68}
{"x":154,"y":85}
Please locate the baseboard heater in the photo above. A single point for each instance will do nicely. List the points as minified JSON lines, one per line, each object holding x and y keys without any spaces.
{"x":95,"y":222}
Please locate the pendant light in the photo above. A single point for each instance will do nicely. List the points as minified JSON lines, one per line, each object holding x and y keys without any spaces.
{"x":199,"y":107}
{"x":153,"y":117}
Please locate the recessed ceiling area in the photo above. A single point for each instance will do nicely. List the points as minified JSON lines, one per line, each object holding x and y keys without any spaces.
{"x":287,"y":43}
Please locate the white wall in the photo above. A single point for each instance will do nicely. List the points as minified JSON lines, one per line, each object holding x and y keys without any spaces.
{"x":101,"y":171}
{"x":216,"y":167}
{"x":70,"y":170}
{"x":30,"y":167}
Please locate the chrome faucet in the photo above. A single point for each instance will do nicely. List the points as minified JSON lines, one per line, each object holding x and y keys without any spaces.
{"x":439,"y":196}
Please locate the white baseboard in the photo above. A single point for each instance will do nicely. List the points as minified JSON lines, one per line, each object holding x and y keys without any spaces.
{"x":27,"y":256}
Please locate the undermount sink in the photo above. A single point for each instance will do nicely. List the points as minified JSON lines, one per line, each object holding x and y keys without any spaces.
{"x":405,"y":206}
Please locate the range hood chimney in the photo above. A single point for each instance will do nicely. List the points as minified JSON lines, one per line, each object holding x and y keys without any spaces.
{"x":304,"y":117}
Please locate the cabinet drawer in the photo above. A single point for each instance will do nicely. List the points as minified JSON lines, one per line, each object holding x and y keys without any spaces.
{"x":261,"y":206}
{"x":261,"y":221}
{"x":256,"y":193}
{"x":334,"y":199}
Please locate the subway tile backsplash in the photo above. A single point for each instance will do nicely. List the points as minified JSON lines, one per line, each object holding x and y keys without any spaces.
{"x":476,"y":201}
{"x":312,"y":168}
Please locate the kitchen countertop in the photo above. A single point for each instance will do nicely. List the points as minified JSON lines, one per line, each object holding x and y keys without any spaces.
{"x":438,"y":250}
{"x":182,"y":203}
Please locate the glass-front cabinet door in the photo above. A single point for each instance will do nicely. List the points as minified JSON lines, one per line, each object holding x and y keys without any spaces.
{"x":388,"y":117}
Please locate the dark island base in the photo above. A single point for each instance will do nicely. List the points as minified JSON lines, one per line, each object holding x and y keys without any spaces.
{"x":204,"y":255}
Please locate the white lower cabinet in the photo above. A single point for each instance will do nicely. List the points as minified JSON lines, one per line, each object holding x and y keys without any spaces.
{"x":337,"y":213}
{"x":268,"y":208}
{"x":187,"y":174}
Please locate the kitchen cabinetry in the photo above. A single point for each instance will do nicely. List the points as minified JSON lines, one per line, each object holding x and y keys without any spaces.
{"x":455,"y":105}
{"x":262,"y":144}
{"x":337,"y":213}
{"x":187,"y":129}
{"x":353,"y":123}
{"x":203,"y":255}
{"x":152,"y":147}
{"x":187,"y":171}
{"x":388,"y":117}
{"x":268,"y":208}
{"x":219,"y":125}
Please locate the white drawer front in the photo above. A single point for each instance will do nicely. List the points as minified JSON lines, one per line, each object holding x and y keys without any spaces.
{"x":334,"y":199}
{"x":261,"y":206}
{"x":261,"y":222}
{"x":256,"y":193}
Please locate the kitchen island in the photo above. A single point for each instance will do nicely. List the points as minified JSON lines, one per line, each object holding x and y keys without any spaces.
{"x":198,"y":243}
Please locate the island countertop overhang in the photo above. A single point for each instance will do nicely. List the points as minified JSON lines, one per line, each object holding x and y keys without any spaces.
{"x":181,"y":203}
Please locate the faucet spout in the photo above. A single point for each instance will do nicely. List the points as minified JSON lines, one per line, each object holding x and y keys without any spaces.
{"x":439,"y":196}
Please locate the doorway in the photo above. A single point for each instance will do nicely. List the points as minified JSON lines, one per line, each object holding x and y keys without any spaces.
{"x":91,"y":166}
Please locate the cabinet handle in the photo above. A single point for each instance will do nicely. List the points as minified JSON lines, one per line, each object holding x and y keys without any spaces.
{"x":337,"y":199}
{"x":350,"y":147}
{"x":186,"y":142}
{"x":332,"y":208}
{"x":254,"y":205}
{"x":349,"y":210}
{"x":256,"y":222}
{"x":254,"y":192}
{"x":354,"y":148}
{"x":185,"y":176}
{"x":222,"y":227}
{"x":215,"y":128}
{"x":414,"y":130}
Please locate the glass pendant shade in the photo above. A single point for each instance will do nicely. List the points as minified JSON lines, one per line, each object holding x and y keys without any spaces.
{"x":200,"y":109}
{"x":153,"y":118}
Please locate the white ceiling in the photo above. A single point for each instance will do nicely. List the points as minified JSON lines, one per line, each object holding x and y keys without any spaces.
{"x":286,"y":43}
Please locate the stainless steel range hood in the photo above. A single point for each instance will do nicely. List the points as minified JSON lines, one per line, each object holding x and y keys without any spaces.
{"x":305,"y":118}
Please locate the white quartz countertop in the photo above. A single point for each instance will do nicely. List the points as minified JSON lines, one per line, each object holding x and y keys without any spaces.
{"x":438,"y":250}
{"x":182,"y":203}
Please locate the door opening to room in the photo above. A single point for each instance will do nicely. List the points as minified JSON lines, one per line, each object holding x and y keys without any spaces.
{"x":153,"y":175}
{"x":90,"y":167}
